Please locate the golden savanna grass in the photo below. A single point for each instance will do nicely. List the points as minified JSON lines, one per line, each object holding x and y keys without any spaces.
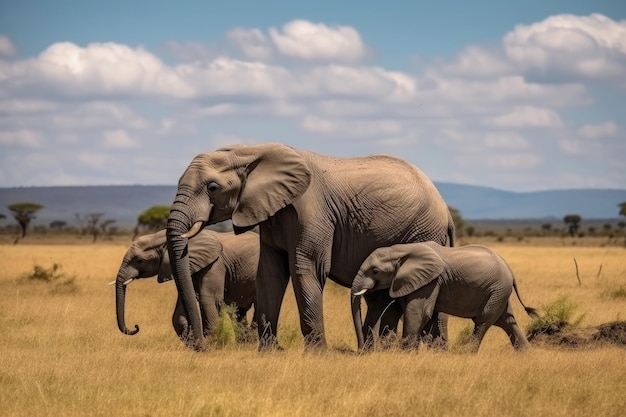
{"x":63,"y":355}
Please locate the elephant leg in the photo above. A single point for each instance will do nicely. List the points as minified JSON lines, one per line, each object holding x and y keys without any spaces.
{"x":308,"y":291}
{"x":435,"y":332}
{"x":508,"y":323}
{"x":480,"y":329}
{"x":271,"y":283}
{"x":179,"y":320}
{"x":419,"y":308}
{"x":210,"y":298}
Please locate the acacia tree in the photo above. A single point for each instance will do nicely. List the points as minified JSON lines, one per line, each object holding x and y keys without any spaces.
{"x":152,"y":219}
{"x":573,"y":223}
{"x":95,"y":224}
{"x":24,"y":213}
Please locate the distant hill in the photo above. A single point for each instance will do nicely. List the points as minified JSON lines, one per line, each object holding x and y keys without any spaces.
{"x":125,"y":203}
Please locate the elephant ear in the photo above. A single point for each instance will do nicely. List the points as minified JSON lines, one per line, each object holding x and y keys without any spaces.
{"x":275,"y":178}
{"x":417,"y":266}
{"x":204,"y":249}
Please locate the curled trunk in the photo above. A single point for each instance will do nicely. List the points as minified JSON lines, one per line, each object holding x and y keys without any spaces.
{"x":120,"y":300}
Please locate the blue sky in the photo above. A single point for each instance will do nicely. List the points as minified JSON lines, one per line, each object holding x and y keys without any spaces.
{"x":519,"y":96}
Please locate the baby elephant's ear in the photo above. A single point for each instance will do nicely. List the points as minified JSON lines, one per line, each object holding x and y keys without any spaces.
{"x":418,"y":266}
{"x":165,"y":270}
{"x":204,"y":249}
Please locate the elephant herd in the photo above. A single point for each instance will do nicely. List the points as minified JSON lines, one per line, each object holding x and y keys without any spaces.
{"x":374,"y":224}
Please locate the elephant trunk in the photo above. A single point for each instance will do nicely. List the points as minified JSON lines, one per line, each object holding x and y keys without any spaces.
{"x":178,"y":249}
{"x":357,"y":320}
{"x":120,"y":300}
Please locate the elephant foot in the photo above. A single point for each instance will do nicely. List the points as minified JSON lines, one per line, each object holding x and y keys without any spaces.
{"x":410,"y":343}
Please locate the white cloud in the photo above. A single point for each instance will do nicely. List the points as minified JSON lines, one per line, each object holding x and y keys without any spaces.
{"x":475,"y":61}
{"x":591,"y":46}
{"x":23,"y":138}
{"x":593,"y":131}
{"x":7,"y":47}
{"x":500,"y":161}
{"x":352,"y":128}
{"x":527,"y":116}
{"x":253,"y":43}
{"x":119,"y":139}
{"x":309,"y":41}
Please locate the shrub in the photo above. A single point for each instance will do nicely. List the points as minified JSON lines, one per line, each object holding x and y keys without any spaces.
{"x":54,"y":275}
{"x":554,"y":317}
{"x":225,"y":334}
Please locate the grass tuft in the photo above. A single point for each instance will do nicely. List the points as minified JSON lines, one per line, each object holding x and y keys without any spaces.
{"x":554,"y":318}
{"x":225,"y":332}
{"x":616,"y":293}
{"x":61,"y":284}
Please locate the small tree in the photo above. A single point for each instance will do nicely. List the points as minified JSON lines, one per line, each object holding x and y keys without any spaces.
{"x":459,"y":223}
{"x":622,"y":209}
{"x":95,"y":224}
{"x":57,"y":224}
{"x":546,"y":227}
{"x":153,"y":219}
{"x":24,"y":213}
{"x":573,"y":223}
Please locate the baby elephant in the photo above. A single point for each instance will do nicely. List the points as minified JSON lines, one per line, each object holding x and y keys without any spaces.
{"x":468,"y":281}
{"x":223,"y":267}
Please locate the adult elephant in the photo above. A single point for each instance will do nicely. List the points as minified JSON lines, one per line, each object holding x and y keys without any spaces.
{"x":223,"y":267}
{"x":318,"y":216}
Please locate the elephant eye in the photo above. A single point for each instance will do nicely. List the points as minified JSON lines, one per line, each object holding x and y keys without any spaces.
{"x":375,"y":271}
{"x":139,"y":261}
{"x":213,"y":186}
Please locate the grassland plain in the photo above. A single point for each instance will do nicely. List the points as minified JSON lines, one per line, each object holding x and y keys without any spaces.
{"x":63,"y":355}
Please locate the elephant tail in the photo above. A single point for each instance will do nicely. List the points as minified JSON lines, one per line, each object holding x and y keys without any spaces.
{"x":529,"y":310}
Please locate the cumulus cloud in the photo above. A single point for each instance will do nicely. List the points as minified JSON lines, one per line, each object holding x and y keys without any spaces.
{"x":7,"y":47}
{"x":119,"y":139}
{"x":351,"y":128}
{"x":591,"y":46}
{"x":593,"y":131}
{"x":527,"y":116}
{"x":23,"y":138}
{"x":253,"y":43}
{"x":309,"y":41}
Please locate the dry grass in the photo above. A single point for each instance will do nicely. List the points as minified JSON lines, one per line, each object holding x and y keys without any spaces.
{"x":63,"y":355}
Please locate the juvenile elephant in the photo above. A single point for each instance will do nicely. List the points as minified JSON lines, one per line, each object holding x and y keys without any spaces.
{"x":319,"y":217}
{"x":469,"y":281}
{"x":223,"y":267}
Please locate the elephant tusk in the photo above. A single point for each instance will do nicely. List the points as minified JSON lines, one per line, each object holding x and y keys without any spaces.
{"x":363,"y":291}
{"x":112,"y":282}
{"x":125,"y":283}
{"x":195,"y":229}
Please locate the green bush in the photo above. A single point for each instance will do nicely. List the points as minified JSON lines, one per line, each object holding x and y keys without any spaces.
{"x":225,"y":333}
{"x":554,"y":317}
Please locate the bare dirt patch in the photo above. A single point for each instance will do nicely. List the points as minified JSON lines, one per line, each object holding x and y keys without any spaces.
{"x":613,"y":333}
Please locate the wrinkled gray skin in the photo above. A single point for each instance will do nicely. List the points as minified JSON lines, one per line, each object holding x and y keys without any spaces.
{"x":318,"y":217}
{"x":469,"y":281}
{"x":223,"y":268}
